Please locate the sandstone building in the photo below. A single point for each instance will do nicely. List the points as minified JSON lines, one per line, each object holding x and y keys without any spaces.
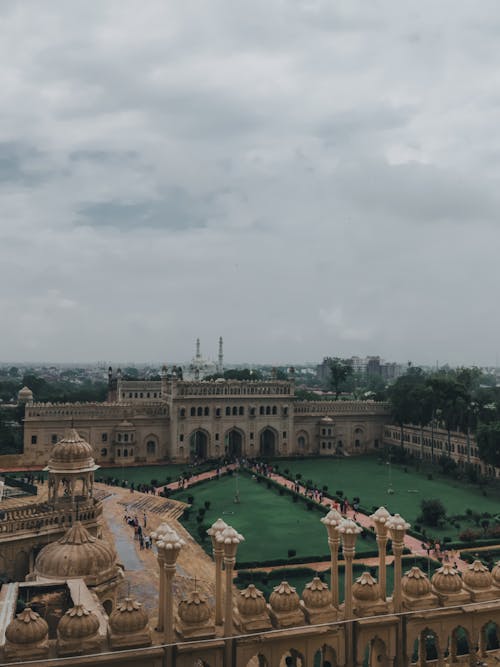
{"x":178,"y":420}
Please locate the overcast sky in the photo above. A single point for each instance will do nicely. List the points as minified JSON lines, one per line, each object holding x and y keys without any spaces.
{"x":302,"y":177}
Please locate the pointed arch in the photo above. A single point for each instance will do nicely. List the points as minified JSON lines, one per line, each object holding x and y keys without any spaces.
{"x":268,"y":439}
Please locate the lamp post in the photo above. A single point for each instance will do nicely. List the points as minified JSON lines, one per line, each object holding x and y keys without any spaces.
{"x":156,"y":536}
{"x":397,"y":527}
{"x":380,"y":518}
{"x":218,"y":551}
{"x":349,"y":531}
{"x":169,"y":546}
{"x":332,"y":522}
{"x":229,"y":539}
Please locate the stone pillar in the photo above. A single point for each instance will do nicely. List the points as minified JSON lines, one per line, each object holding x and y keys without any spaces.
{"x":380,"y":518}
{"x":349,"y":531}
{"x":397,"y":527}
{"x":229,"y":539}
{"x":218,"y":551}
{"x":332,"y":522}
{"x":169,"y":545}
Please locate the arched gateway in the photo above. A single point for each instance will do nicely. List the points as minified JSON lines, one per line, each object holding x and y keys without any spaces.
{"x":268,"y":442}
{"x":198,"y":445}
{"x":234,"y":443}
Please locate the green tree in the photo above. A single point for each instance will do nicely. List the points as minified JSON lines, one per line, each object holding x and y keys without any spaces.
{"x":488,"y":442}
{"x":433,"y":511}
{"x":340,"y":371}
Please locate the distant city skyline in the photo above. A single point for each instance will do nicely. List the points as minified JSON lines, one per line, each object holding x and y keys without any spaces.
{"x":303,"y":178}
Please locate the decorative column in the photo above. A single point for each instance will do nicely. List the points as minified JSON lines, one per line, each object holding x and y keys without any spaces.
{"x":229,"y":539}
{"x":169,"y":545}
{"x":349,"y":531}
{"x":218,"y":551}
{"x":397,"y":527}
{"x":380,"y":518}
{"x":332,"y":522}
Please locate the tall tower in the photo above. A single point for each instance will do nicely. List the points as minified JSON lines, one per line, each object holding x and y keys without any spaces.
{"x":198,"y":354}
{"x":220,"y":364}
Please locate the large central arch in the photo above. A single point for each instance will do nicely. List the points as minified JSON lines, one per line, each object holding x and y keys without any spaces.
{"x":233,"y":442}
{"x":198,"y":444}
{"x":268,"y":442}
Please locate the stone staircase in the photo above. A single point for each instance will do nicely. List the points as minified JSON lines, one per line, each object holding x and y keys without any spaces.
{"x":167,"y":508}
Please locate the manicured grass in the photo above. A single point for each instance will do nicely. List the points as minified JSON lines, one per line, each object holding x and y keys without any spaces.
{"x":369,"y":478}
{"x":270,"y":523}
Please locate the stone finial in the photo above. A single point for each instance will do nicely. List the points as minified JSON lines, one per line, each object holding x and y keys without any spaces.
{"x":316,"y":594}
{"x":28,"y":627}
{"x":194,"y":609}
{"x":415,"y":583}
{"x":251,"y":601}
{"x":397,"y":527}
{"x":380,"y":519}
{"x":128,"y":617}
{"x":495,"y":573}
{"x":78,"y":623}
{"x":284,"y":598}
{"x":447,"y":580}
{"x":366,"y":589}
{"x":477,"y":576}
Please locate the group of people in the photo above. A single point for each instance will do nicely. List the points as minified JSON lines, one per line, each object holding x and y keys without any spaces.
{"x":145,"y":541}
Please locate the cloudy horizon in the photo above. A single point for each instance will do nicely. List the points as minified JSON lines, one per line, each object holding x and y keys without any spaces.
{"x":304,"y":178}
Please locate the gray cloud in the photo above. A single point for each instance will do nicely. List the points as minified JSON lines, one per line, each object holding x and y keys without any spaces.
{"x":304,"y":178}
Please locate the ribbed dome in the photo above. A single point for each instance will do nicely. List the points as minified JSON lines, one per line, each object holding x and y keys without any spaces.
{"x":477,"y":576}
{"x":77,"y":554}
{"x":27,"y":628}
{"x":72,"y":453}
{"x":194,"y":609}
{"x":447,"y":580}
{"x":495,"y":573}
{"x":25,"y":395}
{"x":78,"y":623}
{"x":284,"y":598}
{"x":415,"y":583}
{"x":366,"y":588}
{"x":128,"y":617}
{"x":251,"y":601}
{"x":316,"y":594}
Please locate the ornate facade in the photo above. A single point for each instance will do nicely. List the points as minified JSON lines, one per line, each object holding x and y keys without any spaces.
{"x":175,"y":420}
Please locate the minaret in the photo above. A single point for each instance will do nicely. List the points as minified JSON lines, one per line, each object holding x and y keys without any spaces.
{"x":220,"y":365}
{"x":198,"y":355}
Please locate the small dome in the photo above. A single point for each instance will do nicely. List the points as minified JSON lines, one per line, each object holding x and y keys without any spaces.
{"x":415,"y":583}
{"x":316,"y":594}
{"x":194,"y":609}
{"x":78,"y":623}
{"x":251,"y":601}
{"x":477,"y":576}
{"x":366,"y":588}
{"x":284,"y":598}
{"x":128,"y":617}
{"x":25,"y":395}
{"x":72,"y":453}
{"x":27,"y":628}
{"x":447,"y":580}
{"x":495,"y":573}
{"x":77,"y":554}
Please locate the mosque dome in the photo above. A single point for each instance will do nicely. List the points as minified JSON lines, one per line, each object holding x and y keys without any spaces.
{"x":316,"y":594}
{"x":194,"y":609}
{"x":366,"y":588}
{"x":284,"y":598}
{"x":28,"y":627}
{"x":251,"y":601}
{"x":447,"y":580}
{"x":25,"y":395}
{"x":71,"y":454}
{"x":78,"y":623}
{"x":128,"y":617}
{"x":77,"y":554}
{"x":415,"y":583}
{"x":477,"y":575}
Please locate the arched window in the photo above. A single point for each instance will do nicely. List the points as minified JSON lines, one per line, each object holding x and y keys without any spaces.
{"x":228,"y":411}
{"x":200,"y":412}
{"x":241,"y":410}
{"x":125,"y":453}
{"x":268,"y":410}
{"x":125,"y":437}
{"x":151,"y":447}
{"x":261,"y":410}
{"x":119,"y":452}
{"x":119,"y":437}
{"x":207,"y":412}
{"x":193,"y":412}
{"x":182,"y":413}
{"x":235,"y":411}
{"x":104,"y":451}
{"x":275,"y":410}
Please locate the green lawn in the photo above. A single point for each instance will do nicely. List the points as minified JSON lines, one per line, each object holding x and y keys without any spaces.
{"x":270,"y":523}
{"x":370,"y":479}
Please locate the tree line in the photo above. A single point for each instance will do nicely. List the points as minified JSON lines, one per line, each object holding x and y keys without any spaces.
{"x":453,"y":399}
